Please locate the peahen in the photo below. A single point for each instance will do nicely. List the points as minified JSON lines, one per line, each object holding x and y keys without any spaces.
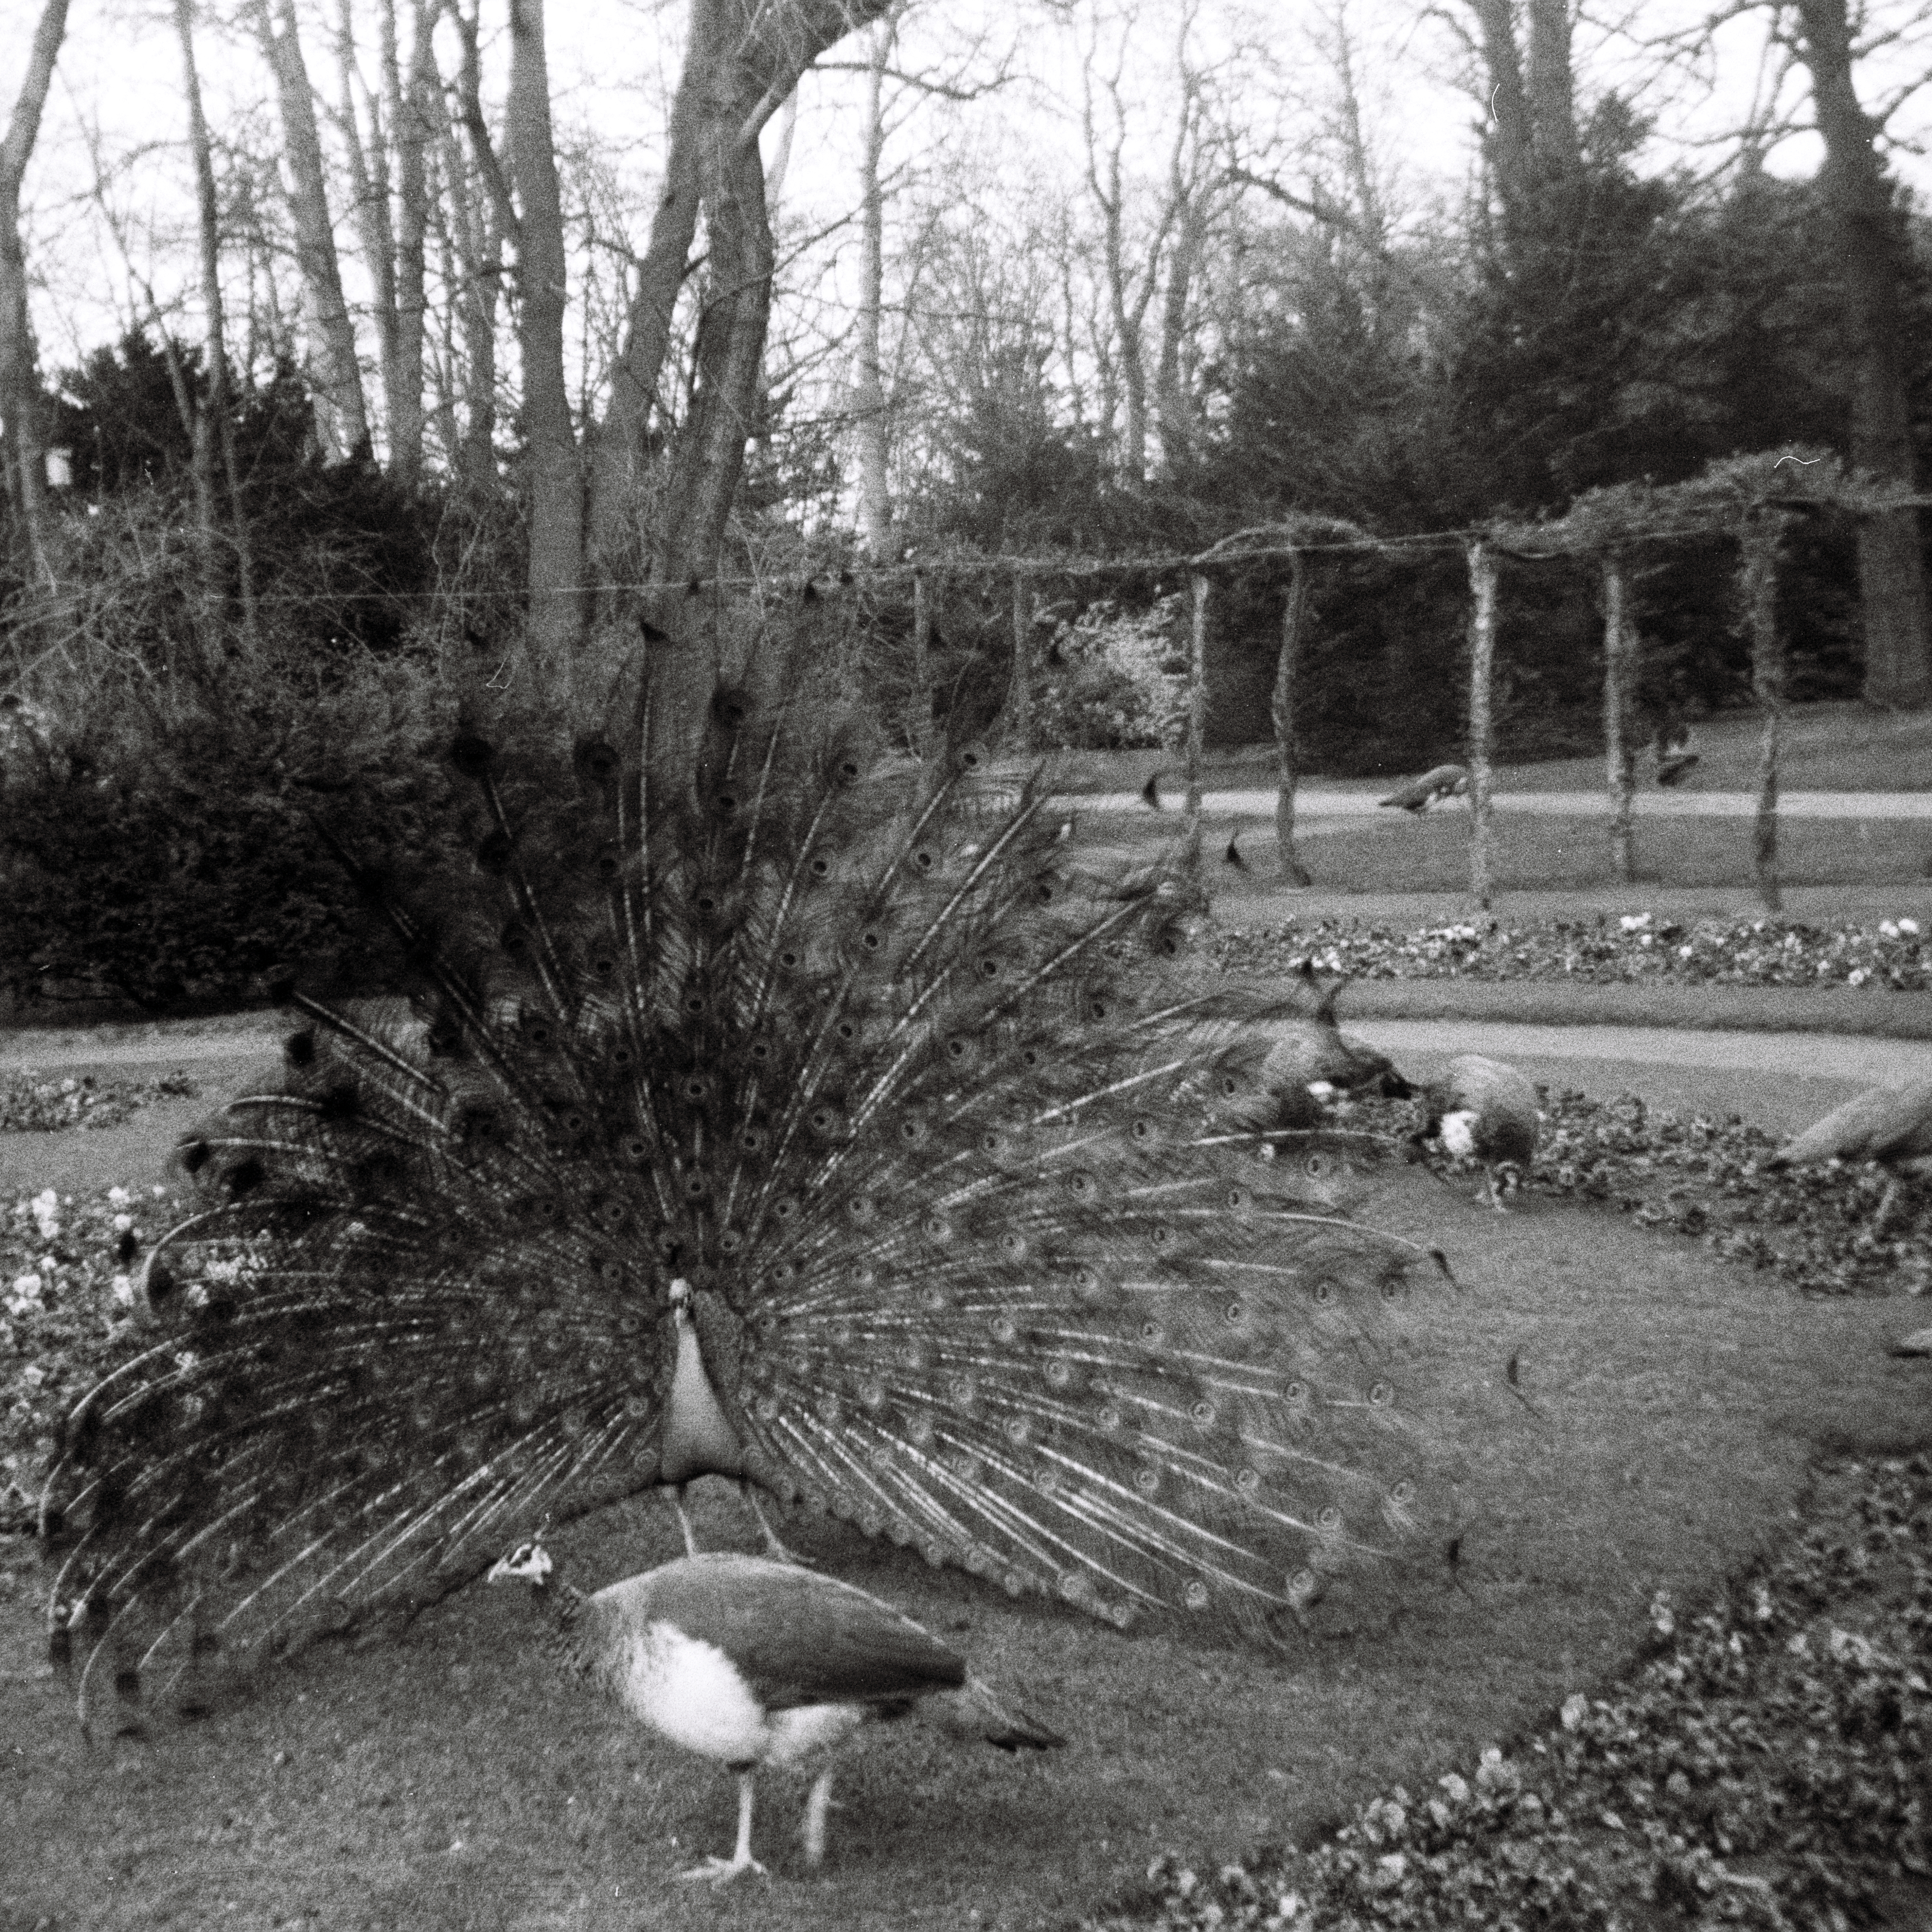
{"x":821,"y":1128}
{"x":1439,"y":782}
{"x":1313,"y":1054}
{"x":1484,"y":1110}
{"x":1891,"y":1126}
{"x":753,"y":1663}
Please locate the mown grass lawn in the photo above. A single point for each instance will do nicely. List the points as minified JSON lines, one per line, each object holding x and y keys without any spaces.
{"x":450,"y":1781}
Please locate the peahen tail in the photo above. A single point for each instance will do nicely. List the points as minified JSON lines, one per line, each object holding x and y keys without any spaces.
{"x":804,"y":1123}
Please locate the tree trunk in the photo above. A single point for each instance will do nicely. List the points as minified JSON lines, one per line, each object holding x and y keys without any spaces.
{"x":1287,"y":672}
{"x":20,"y":404}
{"x":1619,"y":680}
{"x":343,"y":414}
{"x":554,"y":484}
{"x":414,"y":119}
{"x":921,"y":667}
{"x":475,"y":234}
{"x":1019,"y":716}
{"x":1757,"y":594}
{"x":621,"y":455}
{"x":1869,"y":235}
{"x":217,"y":407}
{"x":1507,"y":135}
{"x":1197,"y":709}
{"x":1482,"y":660}
{"x":1552,"y":100}
{"x":868,"y":401}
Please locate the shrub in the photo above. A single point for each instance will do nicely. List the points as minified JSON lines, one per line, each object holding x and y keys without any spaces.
{"x":1113,"y":682}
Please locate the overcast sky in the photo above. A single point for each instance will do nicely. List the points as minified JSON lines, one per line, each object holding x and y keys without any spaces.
{"x":613,"y":62}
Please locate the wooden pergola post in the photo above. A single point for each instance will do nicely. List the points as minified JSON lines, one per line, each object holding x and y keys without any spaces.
{"x":1758,"y":541}
{"x":1482,"y":660}
{"x":1197,"y":706}
{"x":1619,"y":753}
{"x":922,"y":668}
{"x":1019,"y":720}
{"x":1287,"y":667}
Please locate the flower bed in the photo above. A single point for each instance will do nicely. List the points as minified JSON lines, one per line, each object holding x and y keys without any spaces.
{"x":1766,"y":1766}
{"x":1604,"y":951}
{"x":38,"y":1103}
{"x":66,"y":1307}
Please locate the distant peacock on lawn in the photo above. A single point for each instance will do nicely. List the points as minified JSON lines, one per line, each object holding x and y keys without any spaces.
{"x":799,"y":1123}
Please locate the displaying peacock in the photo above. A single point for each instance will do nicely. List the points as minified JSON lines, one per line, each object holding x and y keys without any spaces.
{"x":801,"y":1122}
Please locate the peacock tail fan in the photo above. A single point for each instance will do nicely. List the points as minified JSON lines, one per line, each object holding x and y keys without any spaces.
{"x":990,"y":1248}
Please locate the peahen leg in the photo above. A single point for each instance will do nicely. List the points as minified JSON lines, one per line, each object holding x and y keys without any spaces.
{"x":816,"y":1806}
{"x":721,"y":1871}
{"x":774,"y":1545}
{"x":1492,"y":1193}
{"x":675,"y":1492}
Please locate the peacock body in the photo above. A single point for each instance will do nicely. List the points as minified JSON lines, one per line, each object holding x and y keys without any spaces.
{"x":820,"y":1129}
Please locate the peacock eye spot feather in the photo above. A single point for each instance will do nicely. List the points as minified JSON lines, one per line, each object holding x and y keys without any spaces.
{"x":1328,"y":1519}
{"x":785,"y":1208}
{"x":595,"y":761}
{"x":872,"y":940}
{"x":1324,"y":1293}
{"x":752,"y":1140}
{"x":1146,"y":1480}
{"x":991,"y":968}
{"x":936,"y":1228}
{"x":1195,"y":1596}
{"x":783,"y":1273}
{"x":695,"y":1087}
{"x":1381,"y":1395}
{"x":471,"y":755}
{"x":729,"y":1241}
{"x":820,"y":865}
{"x":1316,"y":1165}
{"x":1202,"y":1414}
{"x":1247,"y":1481}
{"x":696,"y":1187}
{"x":1235,"y":1315}
{"x":1237,"y":1198}
{"x":1082,"y":1186}
{"x":924,"y":860}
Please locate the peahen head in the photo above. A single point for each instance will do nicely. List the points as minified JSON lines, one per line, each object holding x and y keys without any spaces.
{"x":529,"y":1563}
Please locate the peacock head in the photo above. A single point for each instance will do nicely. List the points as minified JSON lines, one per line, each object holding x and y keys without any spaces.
{"x":528,"y":1563}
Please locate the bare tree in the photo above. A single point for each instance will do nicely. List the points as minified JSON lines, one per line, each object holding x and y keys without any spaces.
{"x":869,"y":399}
{"x":739,"y":69}
{"x":214,"y":421}
{"x":338,"y":385}
{"x":1891,"y":573}
{"x":555,"y":489}
{"x":386,"y":135}
{"x":19,"y":383}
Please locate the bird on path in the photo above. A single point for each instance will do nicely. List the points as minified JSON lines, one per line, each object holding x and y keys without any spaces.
{"x":820,"y":1129}
{"x":1891,"y":1126}
{"x":1440,"y":781}
{"x":752,"y":1662}
{"x":1484,"y":1110}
